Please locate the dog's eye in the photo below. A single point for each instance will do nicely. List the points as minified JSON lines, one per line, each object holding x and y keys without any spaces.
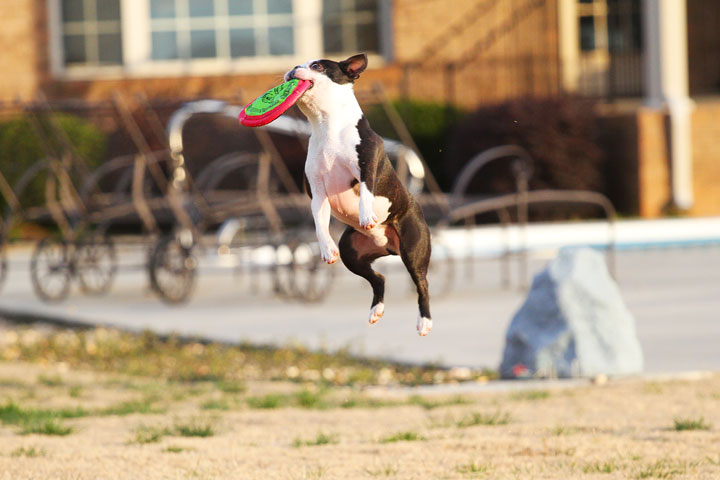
{"x":316,"y":66}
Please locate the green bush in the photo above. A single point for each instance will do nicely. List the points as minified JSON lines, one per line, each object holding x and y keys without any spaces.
{"x":429,"y":123}
{"x":20,"y":148}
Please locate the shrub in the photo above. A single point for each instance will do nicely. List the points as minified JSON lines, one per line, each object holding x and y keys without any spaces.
{"x":560,"y":134}
{"x":20,"y":148}
{"x":429,"y":123}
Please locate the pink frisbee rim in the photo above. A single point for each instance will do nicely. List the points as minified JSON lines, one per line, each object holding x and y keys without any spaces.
{"x":270,"y":115}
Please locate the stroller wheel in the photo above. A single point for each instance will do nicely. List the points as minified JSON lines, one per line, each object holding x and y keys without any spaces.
{"x":172,"y":268}
{"x":50,"y":269}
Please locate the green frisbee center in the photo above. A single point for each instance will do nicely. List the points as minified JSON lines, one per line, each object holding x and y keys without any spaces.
{"x":272,"y":98}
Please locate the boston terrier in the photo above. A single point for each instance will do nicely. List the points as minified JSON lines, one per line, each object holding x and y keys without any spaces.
{"x":348,"y":175}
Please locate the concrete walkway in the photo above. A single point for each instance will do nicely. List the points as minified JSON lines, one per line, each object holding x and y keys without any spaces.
{"x":674,"y":294}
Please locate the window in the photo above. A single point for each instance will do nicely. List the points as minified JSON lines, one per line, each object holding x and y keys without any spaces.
{"x":587,"y":33}
{"x":209,"y":37}
{"x":601,"y":45}
{"x":91,"y":33}
{"x":593,"y":25}
{"x":190,"y":29}
{"x":350,"y":26}
{"x":610,"y":25}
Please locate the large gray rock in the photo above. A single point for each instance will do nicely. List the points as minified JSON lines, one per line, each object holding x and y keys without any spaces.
{"x":573,"y":323}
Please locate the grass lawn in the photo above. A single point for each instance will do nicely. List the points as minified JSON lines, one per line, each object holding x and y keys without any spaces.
{"x":105,"y":404}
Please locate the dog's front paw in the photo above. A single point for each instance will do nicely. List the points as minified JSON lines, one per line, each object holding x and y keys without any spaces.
{"x":368,"y":220}
{"x":424,"y":325}
{"x":329,"y":254}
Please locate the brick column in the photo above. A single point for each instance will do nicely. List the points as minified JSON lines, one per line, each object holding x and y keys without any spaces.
{"x":20,"y":58}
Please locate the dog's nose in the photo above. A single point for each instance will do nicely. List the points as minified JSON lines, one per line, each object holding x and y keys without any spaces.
{"x":291,"y":74}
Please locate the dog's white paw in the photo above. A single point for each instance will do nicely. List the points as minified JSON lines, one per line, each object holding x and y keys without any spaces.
{"x":329,"y":253}
{"x":367,"y":218}
{"x":376,"y":312}
{"x":424,"y":325}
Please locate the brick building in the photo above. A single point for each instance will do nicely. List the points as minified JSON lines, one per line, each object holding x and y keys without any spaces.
{"x":654,"y":63}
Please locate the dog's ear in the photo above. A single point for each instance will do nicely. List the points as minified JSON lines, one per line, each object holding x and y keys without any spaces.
{"x":354,"y":66}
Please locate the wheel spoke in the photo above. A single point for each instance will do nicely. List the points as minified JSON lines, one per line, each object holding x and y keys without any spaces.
{"x":96,"y":264}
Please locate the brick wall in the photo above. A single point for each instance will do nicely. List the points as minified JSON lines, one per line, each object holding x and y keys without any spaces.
{"x":521,"y":58}
{"x":451,"y":30}
{"x":501,"y":49}
{"x":653,"y":160}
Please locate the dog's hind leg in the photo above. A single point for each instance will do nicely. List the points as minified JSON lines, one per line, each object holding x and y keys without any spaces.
{"x":357,"y":252}
{"x":415,"y":253}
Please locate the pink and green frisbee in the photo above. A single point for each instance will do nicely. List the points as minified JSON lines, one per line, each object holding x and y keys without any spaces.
{"x":273,"y":103}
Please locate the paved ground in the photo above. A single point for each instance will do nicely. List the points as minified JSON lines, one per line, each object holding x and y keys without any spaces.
{"x":673,"y":293}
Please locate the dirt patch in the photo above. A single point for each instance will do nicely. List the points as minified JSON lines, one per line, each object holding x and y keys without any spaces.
{"x":124,"y":426}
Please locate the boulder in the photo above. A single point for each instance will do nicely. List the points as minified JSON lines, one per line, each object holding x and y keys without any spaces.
{"x":573,"y":323}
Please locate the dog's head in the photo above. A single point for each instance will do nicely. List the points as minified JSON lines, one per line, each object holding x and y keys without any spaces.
{"x":330,"y":80}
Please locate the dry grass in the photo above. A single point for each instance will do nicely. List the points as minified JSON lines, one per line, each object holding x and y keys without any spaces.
{"x":229,"y":366}
{"x":158,"y":427}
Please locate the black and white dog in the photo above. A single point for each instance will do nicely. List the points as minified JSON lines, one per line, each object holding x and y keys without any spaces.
{"x":348,"y":175}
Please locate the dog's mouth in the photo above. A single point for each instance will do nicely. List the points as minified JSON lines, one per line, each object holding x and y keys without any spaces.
{"x":293,"y":77}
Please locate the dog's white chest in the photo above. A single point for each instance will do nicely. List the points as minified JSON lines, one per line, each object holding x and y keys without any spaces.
{"x":332,"y":166}
{"x":328,"y":151}
{"x":331,"y":163}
